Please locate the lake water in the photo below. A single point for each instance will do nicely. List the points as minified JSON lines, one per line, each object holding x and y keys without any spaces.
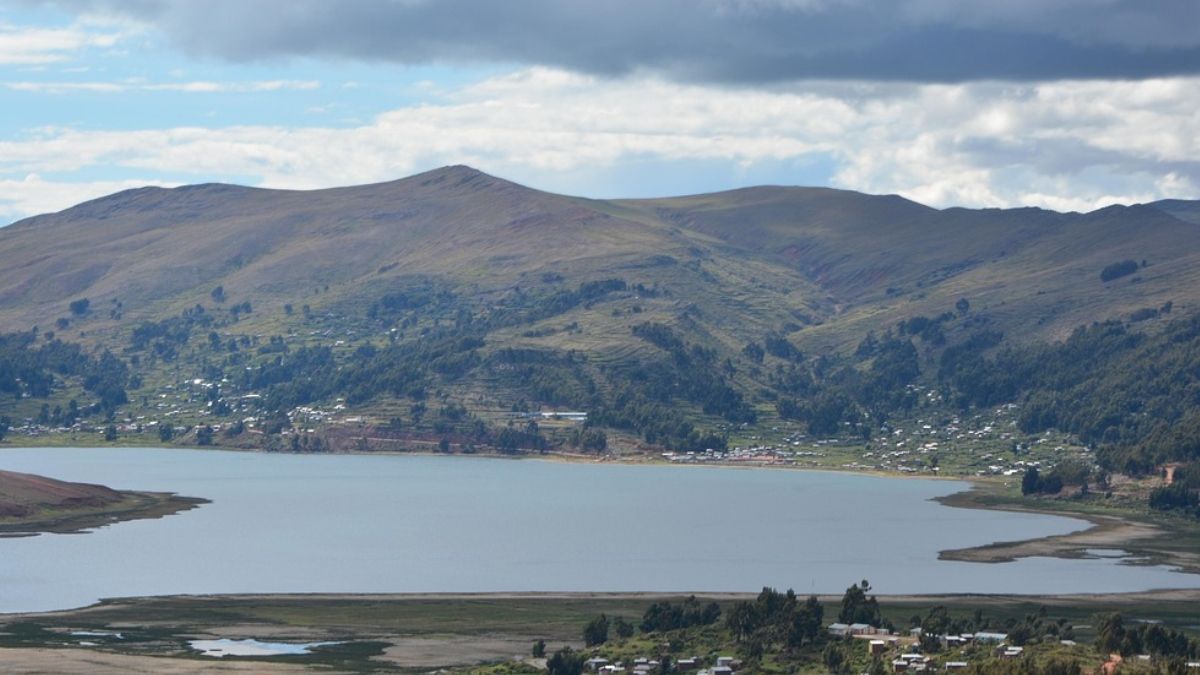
{"x":337,"y":523}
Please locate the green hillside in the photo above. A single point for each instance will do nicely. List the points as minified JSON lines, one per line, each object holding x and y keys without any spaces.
{"x":441,"y":310}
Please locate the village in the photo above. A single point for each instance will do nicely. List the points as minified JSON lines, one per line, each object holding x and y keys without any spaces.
{"x":985,"y":444}
{"x":721,"y":665}
{"x":899,"y":653}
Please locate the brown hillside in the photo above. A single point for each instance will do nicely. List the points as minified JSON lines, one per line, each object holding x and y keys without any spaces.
{"x":23,"y":494}
{"x":824,"y":265}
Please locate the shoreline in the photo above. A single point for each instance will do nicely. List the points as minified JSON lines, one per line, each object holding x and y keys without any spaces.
{"x":1130,"y":598}
{"x":1171,"y":594}
{"x":1129,"y":534}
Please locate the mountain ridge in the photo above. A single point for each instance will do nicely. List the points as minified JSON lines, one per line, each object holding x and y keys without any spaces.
{"x":841,"y":248}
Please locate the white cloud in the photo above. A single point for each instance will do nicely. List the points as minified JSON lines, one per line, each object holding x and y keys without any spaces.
{"x":24,"y":45}
{"x":33,"y":194}
{"x":1063,"y":145}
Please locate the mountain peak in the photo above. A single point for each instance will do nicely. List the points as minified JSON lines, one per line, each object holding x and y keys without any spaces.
{"x":460,"y":172}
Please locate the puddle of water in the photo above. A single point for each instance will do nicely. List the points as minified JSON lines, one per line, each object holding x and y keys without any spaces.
{"x":97,"y":633}
{"x":1107,"y":552}
{"x":250,"y":647}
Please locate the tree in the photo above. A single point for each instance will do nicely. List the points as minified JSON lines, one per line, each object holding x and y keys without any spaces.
{"x":539,"y":649}
{"x":755,"y":352}
{"x":741,"y":620}
{"x":858,"y":608}
{"x":166,"y":432}
{"x":110,"y":433}
{"x":565,"y":662}
{"x":204,"y":435}
{"x":1118,"y":270}
{"x":1110,"y":633}
{"x":596,"y":631}
{"x":218,"y":294}
{"x":1031,"y":482}
{"x":5,"y":424}
{"x":623,"y":627}
{"x":835,"y":658}
{"x":962,"y":306}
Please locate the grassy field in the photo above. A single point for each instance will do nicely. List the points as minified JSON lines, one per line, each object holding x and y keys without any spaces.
{"x":382,"y":633}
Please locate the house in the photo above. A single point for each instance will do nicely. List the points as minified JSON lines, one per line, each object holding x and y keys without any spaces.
{"x":839,"y":629}
{"x":687,"y":664}
{"x":991,"y":637}
{"x":861,"y":629}
{"x":877,"y":647}
{"x":956,"y":665}
{"x":595,"y":664}
{"x":725,"y":661}
{"x":899,"y":665}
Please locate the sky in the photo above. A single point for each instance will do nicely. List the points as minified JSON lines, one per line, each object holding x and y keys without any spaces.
{"x":1062,"y":104}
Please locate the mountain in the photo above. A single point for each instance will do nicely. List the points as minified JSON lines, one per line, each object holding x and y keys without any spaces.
{"x":826,"y":254}
{"x":433,"y":285}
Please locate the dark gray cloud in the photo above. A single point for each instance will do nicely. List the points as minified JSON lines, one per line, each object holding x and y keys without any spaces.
{"x":732,"y":41}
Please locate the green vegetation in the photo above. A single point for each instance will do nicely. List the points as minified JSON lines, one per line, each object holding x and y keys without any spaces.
{"x":772,"y":632}
{"x":1118,"y":270}
{"x":1183,"y":494}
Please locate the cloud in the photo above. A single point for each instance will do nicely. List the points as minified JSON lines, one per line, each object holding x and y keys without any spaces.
{"x":729,"y":41}
{"x":33,"y":194}
{"x":23,"y":45}
{"x":186,"y":87}
{"x":1065,"y":145}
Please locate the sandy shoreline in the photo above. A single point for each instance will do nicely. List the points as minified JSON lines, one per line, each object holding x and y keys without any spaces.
{"x":1133,"y":597}
{"x":1137,"y":538}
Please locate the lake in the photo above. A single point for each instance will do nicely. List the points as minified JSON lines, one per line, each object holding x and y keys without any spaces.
{"x":405,"y":524}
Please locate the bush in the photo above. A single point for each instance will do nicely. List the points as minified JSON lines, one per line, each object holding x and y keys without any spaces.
{"x":596,"y":631}
{"x":1118,"y":270}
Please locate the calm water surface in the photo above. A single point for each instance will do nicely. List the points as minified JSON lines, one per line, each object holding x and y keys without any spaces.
{"x":329,"y":523}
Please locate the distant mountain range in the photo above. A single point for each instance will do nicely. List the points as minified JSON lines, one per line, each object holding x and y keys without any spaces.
{"x":455,"y":254}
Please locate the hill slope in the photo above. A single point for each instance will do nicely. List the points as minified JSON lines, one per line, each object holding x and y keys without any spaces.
{"x":441,"y":302}
{"x":23,"y":494}
{"x":155,"y":249}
